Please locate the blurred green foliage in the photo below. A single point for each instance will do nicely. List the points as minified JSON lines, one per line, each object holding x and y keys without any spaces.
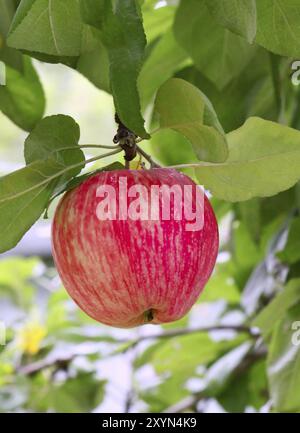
{"x":238,"y":350}
{"x":54,"y":353}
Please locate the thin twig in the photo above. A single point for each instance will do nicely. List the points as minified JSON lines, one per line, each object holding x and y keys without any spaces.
{"x":59,"y":173}
{"x":253,"y":332}
{"x":153,"y":164}
{"x":85,"y":146}
{"x":35,"y":367}
{"x":193,"y":165}
{"x":61,"y":192}
{"x":47,"y":363}
{"x":98,"y":146}
{"x":184,"y":404}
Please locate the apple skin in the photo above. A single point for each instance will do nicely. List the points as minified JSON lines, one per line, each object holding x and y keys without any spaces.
{"x":129,"y":273}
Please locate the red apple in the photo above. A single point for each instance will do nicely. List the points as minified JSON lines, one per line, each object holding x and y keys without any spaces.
{"x":129,"y":270}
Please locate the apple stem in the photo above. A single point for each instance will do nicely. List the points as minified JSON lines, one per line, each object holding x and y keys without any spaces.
{"x":149,"y":315}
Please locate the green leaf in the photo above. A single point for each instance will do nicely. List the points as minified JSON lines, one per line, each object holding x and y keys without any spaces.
{"x":249,"y":389}
{"x":164,"y":60}
{"x":165,"y":395}
{"x":61,"y":32}
{"x":7,"y":10}
{"x":50,"y":136}
{"x":284,"y":363}
{"x":157,"y":21}
{"x":124,"y":38}
{"x":220,"y":373}
{"x":176,"y":360}
{"x":255,"y":84}
{"x":94,"y":65}
{"x":291,"y":252}
{"x":90,"y":41}
{"x":47,"y":26}
{"x":220,"y":286}
{"x":239,"y":16}
{"x":264,"y":159}
{"x":221,"y":208}
{"x":171,"y":148}
{"x":250,"y":214}
{"x":76,"y":181}
{"x":277,"y":206}
{"x":16,"y":280}
{"x":278,"y":307}
{"x":22,"y":98}
{"x":219,"y":54}
{"x":245,"y":254}
{"x":184,"y":108}
{"x":9,"y":56}
{"x":57,"y":318}
{"x":93,"y":62}
{"x":92,"y":12}
{"x":148,"y":354}
{"x":24,"y":195}
{"x":185,"y":353}
{"x":279,"y":17}
{"x":77,"y":394}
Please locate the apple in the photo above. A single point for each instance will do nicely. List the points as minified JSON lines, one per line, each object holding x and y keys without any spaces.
{"x":124,"y":257}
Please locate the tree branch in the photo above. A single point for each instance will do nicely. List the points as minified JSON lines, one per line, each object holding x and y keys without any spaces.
{"x":253,"y":332}
{"x":35,"y":367}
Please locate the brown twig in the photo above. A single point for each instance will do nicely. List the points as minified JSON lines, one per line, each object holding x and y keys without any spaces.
{"x":126,"y":139}
{"x":188,"y":331}
{"x":35,"y":367}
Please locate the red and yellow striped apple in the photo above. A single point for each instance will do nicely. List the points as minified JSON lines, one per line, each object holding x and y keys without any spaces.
{"x":121,"y":262}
